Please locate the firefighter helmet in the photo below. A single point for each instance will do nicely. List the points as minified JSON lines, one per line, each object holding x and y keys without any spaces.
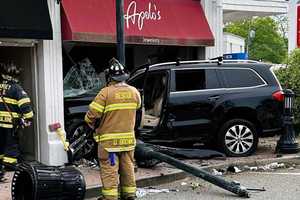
{"x":116,"y":71}
{"x":10,"y":69}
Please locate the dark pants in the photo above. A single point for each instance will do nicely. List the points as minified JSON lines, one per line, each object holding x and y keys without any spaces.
{"x":4,"y":134}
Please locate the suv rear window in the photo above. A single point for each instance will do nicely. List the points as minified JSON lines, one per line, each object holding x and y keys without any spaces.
{"x":198,"y":79}
{"x":236,"y":78}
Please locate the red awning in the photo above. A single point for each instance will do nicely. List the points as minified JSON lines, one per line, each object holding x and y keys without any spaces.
{"x":154,"y":22}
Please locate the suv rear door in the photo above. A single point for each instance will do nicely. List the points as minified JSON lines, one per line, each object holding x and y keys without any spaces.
{"x":247,"y":89}
{"x":194,"y":94}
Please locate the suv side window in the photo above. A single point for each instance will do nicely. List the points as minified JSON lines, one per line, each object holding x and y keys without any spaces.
{"x":196,"y":79}
{"x":236,"y":78}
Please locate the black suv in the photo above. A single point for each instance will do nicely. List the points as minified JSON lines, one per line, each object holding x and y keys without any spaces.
{"x":228,"y":104}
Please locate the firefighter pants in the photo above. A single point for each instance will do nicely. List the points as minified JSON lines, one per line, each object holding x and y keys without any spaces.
{"x":123,"y":168}
{"x":4,"y":134}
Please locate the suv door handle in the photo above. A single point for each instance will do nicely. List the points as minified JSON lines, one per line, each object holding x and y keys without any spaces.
{"x":213,"y":98}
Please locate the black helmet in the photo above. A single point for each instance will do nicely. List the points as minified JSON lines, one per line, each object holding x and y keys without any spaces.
{"x":116,"y":71}
{"x":10,"y":69}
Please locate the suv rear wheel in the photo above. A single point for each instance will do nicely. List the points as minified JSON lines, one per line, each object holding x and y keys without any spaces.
{"x":238,"y":137}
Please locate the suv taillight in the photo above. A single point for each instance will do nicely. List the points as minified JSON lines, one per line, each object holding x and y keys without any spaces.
{"x":278,"y":95}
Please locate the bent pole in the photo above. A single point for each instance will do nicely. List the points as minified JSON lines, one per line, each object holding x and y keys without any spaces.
{"x":148,"y":153}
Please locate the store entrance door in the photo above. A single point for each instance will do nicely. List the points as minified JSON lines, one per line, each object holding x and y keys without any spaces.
{"x":27,"y":138}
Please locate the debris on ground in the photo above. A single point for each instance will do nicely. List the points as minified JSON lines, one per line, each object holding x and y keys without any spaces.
{"x":233,"y":169}
{"x":141,"y":192}
{"x":268,"y":167}
{"x":195,"y":185}
{"x":291,"y":166}
{"x":217,"y":172}
{"x":84,"y":163}
{"x":257,"y":189}
{"x":204,"y":164}
{"x":183,"y":183}
{"x":251,"y":168}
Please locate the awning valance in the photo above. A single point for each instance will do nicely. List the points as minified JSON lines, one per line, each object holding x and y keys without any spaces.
{"x":153,"y":22}
{"x":27,"y":19}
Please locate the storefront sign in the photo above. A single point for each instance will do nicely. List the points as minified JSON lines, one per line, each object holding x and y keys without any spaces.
{"x":150,"y":22}
{"x":151,"y":41}
{"x":137,"y":16}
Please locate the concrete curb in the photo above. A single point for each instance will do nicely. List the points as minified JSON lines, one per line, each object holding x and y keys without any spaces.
{"x":158,"y":180}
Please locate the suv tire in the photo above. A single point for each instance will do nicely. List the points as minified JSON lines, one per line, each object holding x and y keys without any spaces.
{"x":74,"y":131}
{"x":238,"y":138}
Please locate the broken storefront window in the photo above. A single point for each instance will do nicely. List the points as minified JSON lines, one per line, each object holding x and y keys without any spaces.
{"x":83,"y":79}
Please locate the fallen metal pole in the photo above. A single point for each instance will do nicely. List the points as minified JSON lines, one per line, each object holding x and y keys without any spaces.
{"x":145,"y":152}
{"x":148,"y":153}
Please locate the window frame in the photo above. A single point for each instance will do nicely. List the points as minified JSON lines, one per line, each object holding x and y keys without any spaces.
{"x":226,"y":85}
{"x":173,"y":74}
{"x":221,"y":78}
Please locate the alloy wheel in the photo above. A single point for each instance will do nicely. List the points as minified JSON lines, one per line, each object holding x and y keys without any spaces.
{"x":89,"y":146}
{"x":239,"y":139}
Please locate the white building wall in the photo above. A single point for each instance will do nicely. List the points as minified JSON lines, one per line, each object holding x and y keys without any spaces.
{"x":259,"y":6}
{"x":214,"y":14}
{"x":233,"y":44}
{"x":50,"y":88}
{"x":292,"y":14}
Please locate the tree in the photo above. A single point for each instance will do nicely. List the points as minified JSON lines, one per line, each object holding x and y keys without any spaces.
{"x":282,"y":21}
{"x":268,"y":44}
{"x":289,"y":78}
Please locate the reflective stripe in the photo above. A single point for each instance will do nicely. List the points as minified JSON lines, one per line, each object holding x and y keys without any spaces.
{"x":9,"y":114}
{"x":6,"y":125}
{"x":110,"y":192}
{"x":10,"y":160}
{"x":120,"y":149}
{"x":87,"y":119}
{"x":28,"y":115}
{"x":121,"y":106}
{"x":1,"y":156}
{"x":9,"y":101}
{"x":23,"y":101}
{"x":96,"y":107}
{"x":129,"y":190}
{"x":112,"y":136}
{"x":96,"y":138}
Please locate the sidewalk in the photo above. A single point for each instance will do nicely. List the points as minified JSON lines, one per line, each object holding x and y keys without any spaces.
{"x":164,"y":173}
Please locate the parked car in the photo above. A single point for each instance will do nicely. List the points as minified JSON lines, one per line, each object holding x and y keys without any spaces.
{"x":229,"y":104}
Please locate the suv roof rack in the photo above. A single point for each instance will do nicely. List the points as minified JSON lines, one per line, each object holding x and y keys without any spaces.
{"x":241,"y":61}
{"x":207,"y":61}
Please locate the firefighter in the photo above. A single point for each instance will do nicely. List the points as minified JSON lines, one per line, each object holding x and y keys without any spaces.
{"x":115,"y":107}
{"x":15,"y":107}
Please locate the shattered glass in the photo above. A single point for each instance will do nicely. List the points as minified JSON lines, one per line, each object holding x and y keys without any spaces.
{"x":83,"y":79}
